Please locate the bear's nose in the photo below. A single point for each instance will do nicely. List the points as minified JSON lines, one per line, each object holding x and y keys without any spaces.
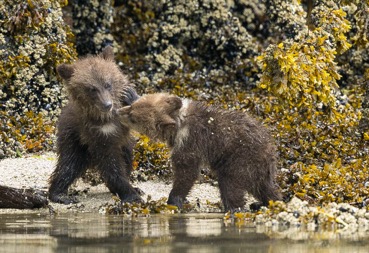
{"x":108,"y":105}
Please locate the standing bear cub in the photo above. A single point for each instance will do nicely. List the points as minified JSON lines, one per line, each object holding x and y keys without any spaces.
{"x":89,"y":132}
{"x":235,"y":146}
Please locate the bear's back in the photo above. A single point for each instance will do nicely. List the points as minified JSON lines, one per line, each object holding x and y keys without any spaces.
{"x":214,"y":131}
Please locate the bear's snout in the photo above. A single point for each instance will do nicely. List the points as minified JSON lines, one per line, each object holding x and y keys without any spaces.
{"x":107,"y":105}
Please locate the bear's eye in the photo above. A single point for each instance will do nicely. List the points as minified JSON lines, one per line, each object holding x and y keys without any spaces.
{"x":92,"y":89}
{"x":132,"y":118}
{"x":108,"y":86}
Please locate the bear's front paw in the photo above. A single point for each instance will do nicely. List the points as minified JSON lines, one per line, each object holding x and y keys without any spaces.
{"x":132,"y":198}
{"x":256,"y":206}
{"x":175,"y":201}
{"x":63,"y":199}
{"x":139,"y":191}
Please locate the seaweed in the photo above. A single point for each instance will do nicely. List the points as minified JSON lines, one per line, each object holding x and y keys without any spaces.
{"x":323,"y":155}
{"x":151,"y":160}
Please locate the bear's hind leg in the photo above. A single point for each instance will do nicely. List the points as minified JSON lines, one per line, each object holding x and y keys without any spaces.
{"x":232,"y":195}
{"x":266,"y":191}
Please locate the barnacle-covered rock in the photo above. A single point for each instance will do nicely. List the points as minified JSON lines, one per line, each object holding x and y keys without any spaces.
{"x":299,"y":214}
{"x":253,"y":16}
{"x":91,"y":21}
{"x":287,"y":18}
{"x":200,"y":41}
{"x":33,"y":39}
{"x":200,"y":37}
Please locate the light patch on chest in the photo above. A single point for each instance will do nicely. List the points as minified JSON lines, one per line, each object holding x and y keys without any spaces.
{"x":184,"y":109}
{"x":181,"y":136}
{"x":109,"y":128}
{"x":183,"y":131}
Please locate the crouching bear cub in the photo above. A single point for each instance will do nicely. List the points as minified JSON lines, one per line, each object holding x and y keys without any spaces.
{"x":235,"y":146}
{"x":90,"y":133}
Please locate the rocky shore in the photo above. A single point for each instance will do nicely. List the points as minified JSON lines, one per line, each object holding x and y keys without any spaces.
{"x":33,"y":171}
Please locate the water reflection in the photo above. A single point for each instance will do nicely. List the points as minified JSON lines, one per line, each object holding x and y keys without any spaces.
{"x":159,"y":233}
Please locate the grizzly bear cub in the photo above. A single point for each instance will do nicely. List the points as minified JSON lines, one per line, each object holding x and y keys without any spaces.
{"x":234,"y":145}
{"x":89,"y":132}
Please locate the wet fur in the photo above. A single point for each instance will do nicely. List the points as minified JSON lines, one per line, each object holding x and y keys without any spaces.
{"x":234,"y":145}
{"x":89,"y":133}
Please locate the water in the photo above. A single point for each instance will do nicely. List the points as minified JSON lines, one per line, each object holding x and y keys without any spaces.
{"x":162,"y":233}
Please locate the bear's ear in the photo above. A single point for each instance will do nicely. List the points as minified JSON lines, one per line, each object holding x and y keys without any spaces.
{"x":65,"y":71}
{"x":167,"y":121}
{"x":174,"y":102}
{"x":107,"y":53}
{"x":167,"y":127}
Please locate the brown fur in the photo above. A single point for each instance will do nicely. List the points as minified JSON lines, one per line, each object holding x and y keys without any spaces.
{"x":89,"y":132}
{"x":234,"y":145}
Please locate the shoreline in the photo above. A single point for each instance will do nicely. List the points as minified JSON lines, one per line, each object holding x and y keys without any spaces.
{"x":33,"y":171}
